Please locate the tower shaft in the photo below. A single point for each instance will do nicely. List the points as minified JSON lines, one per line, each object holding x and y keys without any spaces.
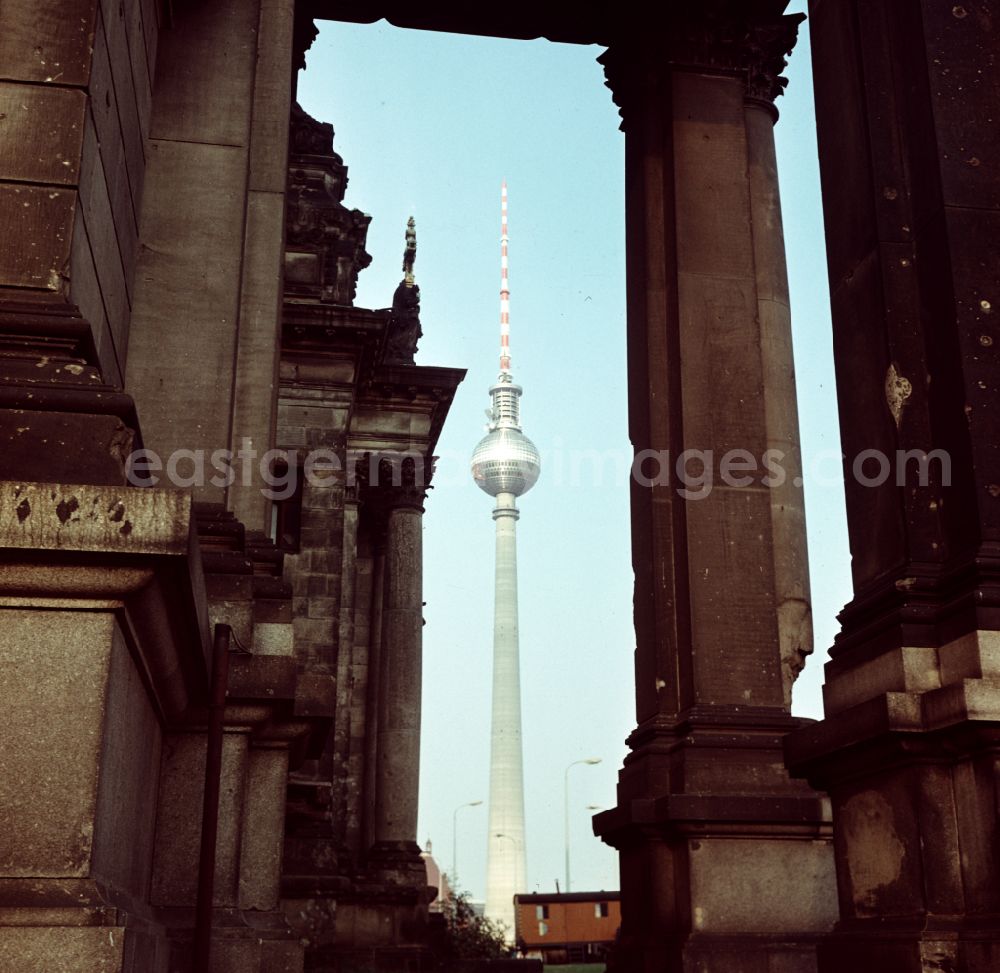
{"x":506,"y":859}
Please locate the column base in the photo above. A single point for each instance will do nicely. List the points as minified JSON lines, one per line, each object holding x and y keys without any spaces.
{"x":243,"y":941}
{"x":369,"y":927}
{"x":733,"y":872}
{"x":700,"y":953}
{"x":911,"y":776}
{"x":934,"y":943}
{"x":399,"y":863}
{"x":376,"y":919}
{"x":388,"y":959}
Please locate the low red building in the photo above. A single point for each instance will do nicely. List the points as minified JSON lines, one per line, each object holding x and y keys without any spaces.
{"x":567,"y":927}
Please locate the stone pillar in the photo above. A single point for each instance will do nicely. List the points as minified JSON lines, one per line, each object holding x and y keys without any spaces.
{"x":781,"y":417}
{"x":348,"y":730}
{"x":250,"y":934}
{"x":380,"y":909}
{"x":212,"y":253}
{"x":398,"y":756}
{"x":725,"y":863}
{"x":910,"y":746}
{"x":373,"y":694}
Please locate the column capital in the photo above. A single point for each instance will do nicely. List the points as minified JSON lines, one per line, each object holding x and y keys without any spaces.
{"x":718,"y":37}
{"x":391,"y":481}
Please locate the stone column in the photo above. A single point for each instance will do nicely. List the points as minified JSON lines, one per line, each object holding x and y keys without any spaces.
{"x":725,"y":864}
{"x":348,"y":735}
{"x":398,"y":760}
{"x":372,"y":697}
{"x":398,"y":756}
{"x":906,"y":98}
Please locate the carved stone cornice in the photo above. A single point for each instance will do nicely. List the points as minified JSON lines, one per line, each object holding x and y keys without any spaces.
{"x":60,"y":421}
{"x":719,"y":36}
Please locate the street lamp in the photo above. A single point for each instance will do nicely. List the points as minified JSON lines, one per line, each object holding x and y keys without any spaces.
{"x":590,"y":761}
{"x":454,"y":841}
{"x":517,"y":876}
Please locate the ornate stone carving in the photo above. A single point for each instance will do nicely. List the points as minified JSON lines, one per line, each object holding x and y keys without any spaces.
{"x":324,"y":240}
{"x":715,"y":36}
{"x":388,"y":481}
{"x":404,"y":324}
{"x":311,"y":137}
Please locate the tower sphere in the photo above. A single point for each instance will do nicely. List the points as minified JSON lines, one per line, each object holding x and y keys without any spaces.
{"x":506,"y":461}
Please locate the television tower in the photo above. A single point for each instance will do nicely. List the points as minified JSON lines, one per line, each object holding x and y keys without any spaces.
{"x":505,"y":464}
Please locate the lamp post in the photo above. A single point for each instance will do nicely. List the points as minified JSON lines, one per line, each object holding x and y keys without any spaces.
{"x":454,"y":841}
{"x":590,"y":761}
{"x":516,"y":844}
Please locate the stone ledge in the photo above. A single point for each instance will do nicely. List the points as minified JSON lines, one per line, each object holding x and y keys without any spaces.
{"x":694,"y":814}
{"x":897,"y":727}
{"x":127,"y":550}
{"x":68,"y":517}
{"x":54,"y":949}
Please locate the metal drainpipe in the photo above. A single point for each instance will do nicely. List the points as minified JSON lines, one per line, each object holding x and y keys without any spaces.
{"x":210,"y":808}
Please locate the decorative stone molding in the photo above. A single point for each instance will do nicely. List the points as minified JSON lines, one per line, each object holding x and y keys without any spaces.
{"x":717,"y":37}
{"x":52,"y":391}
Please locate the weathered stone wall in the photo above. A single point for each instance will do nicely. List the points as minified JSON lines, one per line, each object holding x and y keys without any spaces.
{"x":75,"y":96}
{"x":311,"y":418}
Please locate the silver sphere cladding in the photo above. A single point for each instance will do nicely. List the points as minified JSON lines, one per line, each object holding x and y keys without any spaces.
{"x":506,"y":461}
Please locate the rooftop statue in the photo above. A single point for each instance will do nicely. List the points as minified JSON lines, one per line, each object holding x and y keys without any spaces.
{"x":404,"y":324}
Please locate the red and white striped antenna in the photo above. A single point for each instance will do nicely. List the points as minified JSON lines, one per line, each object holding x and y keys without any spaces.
{"x":504,"y":288}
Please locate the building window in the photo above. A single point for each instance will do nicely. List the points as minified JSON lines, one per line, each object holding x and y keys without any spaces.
{"x":543,"y":928}
{"x":601,"y":910}
{"x":286,"y":509}
{"x":541,"y":912}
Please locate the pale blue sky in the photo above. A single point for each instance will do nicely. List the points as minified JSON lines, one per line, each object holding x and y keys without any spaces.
{"x":429,"y":124}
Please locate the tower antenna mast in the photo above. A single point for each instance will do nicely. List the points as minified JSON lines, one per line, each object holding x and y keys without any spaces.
{"x":504,"y":287}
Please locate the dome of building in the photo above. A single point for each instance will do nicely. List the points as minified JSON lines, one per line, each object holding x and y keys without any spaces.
{"x":506,"y":461}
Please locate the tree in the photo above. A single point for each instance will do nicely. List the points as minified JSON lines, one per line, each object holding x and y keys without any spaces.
{"x":467,"y":935}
